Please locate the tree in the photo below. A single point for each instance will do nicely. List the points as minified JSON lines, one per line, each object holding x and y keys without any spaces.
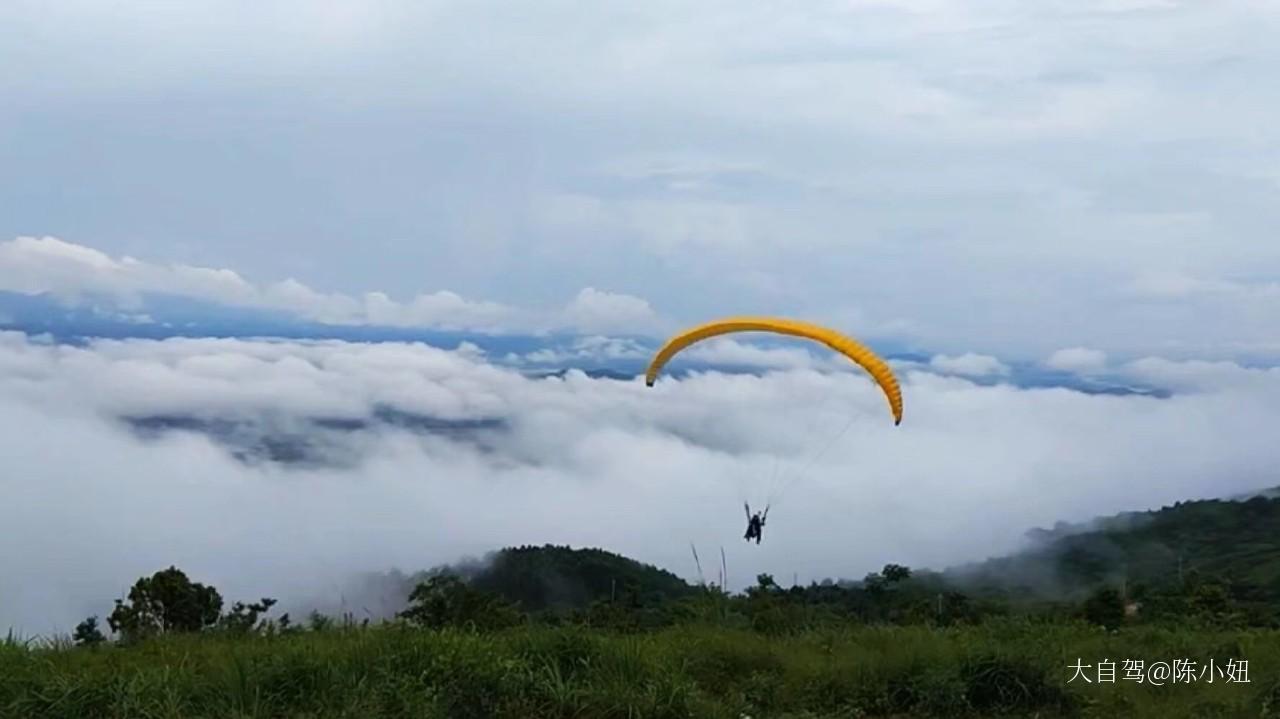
{"x":1211,"y":601}
{"x":874,"y":585}
{"x":954,"y":607}
{"x":445,"y":600}
{"x":243,"y":618}
{"x":894,"y":573}
{"x":318,"y":622}
{"x":1105,"y":607}
{"x":167,"y":601}
{"x":87,"y":633}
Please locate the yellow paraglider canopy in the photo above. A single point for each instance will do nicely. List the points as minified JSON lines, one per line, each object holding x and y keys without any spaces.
{"x":851,"y":348}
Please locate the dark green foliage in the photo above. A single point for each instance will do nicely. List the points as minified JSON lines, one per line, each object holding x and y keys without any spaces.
{"x":1235,"y":544}
{"x":243,"y":618}
{"x":1180,"y":563}
{"x":1105,"y":608}
{"x":995,"y":684}
{"x":167,"y":601}
{"x":893,"y":573}
{"x":318,"y":622}
{"x":446,"y":601}
{"x":998,"y":668}
{"x":561,"y":578}
{"x":552,"y":582}
{"x":87,"y":633}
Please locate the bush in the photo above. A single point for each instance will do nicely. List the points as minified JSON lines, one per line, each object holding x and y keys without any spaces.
{"x":446,"y":601}
{"x":88,"y":634}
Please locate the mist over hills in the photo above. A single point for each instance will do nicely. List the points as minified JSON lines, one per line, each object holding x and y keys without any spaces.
{"x":1236,"y":542}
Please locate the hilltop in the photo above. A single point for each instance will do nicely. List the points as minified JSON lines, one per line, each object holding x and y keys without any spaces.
{"x":552,"y":577}
{"x":1235,"y":541}
{"x":537,"y":579}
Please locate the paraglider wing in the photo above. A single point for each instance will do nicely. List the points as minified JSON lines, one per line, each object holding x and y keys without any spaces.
{"x":854,"y":350}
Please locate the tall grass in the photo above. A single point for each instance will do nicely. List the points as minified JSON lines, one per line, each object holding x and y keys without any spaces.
{"x":1011,"y":667}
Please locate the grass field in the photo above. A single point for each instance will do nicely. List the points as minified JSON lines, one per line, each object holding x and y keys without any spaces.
{"x":1016,"y":668}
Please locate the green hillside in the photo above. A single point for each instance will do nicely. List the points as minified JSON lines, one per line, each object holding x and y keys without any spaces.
{"x":1235,"y":543}
{"x":557,"y":578}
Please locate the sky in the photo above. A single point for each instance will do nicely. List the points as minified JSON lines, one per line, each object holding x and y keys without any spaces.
{"x":993,"y":175}
{"x":1089,"y":186}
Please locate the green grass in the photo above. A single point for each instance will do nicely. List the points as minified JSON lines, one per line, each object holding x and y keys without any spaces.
{"x":1015,"y":668}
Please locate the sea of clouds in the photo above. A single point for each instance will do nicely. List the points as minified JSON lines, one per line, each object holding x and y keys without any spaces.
{"x":92,"y":503}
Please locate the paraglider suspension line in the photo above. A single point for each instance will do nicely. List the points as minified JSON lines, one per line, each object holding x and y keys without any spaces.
{"x":774,"y":496}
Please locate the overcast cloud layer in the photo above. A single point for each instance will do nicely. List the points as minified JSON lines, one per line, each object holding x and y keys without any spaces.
{"x":1001,"y":177}
{"x":642,"y":471}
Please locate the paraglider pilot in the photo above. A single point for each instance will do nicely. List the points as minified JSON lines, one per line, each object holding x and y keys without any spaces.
{"x":755,"y":523}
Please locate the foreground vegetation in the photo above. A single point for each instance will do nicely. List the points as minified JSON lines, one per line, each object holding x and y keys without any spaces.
{"x":560,"y":632}
{"x":1015,"y":667}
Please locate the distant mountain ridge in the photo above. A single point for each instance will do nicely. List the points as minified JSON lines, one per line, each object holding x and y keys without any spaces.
{"x":548,"y":354}
{"x":1235,"y":540}
{"x":312,"y":441}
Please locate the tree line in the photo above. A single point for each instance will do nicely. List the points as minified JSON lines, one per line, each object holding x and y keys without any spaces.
{"x":169,"y":602}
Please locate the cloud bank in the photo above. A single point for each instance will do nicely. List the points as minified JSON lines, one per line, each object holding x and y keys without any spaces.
{"x":76,"y":273}
{"x":583,"y":461}
{"x":1078,"y":359}
{"x":970,"y":365}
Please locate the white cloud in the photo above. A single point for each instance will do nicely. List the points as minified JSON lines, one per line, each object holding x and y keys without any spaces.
{"x":595,"y":348}
{"x":970,"y":365}
{"x":1078,"y":359}
{"x":442,"y":309}
{"x":35,"y":265}
{"x":32,"y":265}
{"x":598,"y":311}
{"x":724,"y":351}
{"x":639,"y":470}
{"x":1200,"y":375}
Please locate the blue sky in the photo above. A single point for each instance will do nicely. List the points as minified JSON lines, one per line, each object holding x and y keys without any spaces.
{"x":1078,"y":194}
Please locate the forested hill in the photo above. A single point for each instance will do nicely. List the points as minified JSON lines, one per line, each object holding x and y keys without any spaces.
{"x":554,"y":577}
{"x":1232,"y":541}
